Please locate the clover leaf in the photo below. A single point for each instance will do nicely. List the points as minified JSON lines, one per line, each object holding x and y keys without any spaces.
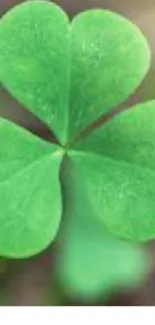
{"x":30,"y":198}
{"x":69,"y":74}
{"x":124,"y":189}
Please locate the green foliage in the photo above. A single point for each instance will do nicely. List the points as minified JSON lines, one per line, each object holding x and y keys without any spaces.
{"x":105,"y":49}
{"x":29,"y":192}
{"x":42,"y":56}
{"x":68,"y":75}
{"x":34,"y":60}
{"x":91,"y":261}
{"x":117,"y":170}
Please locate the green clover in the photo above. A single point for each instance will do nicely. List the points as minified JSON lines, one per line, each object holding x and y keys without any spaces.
{"x":101,"y":186}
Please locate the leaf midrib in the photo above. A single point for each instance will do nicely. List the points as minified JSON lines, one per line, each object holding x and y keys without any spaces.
{"x":121,"y":161}
{"x":30,"y":165}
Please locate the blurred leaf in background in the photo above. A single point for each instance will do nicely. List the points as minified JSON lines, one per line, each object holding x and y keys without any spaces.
{"x":89,"y":262}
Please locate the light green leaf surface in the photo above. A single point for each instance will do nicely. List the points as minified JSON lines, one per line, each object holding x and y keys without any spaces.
{"x":90,"y":262}
{"x":121,"y":194}
{"x":34,"y":50}
{"x":30,"y":202}
{"x":68,"y":75}
{"x":110,"y":56}
{"x":128,"y":137}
